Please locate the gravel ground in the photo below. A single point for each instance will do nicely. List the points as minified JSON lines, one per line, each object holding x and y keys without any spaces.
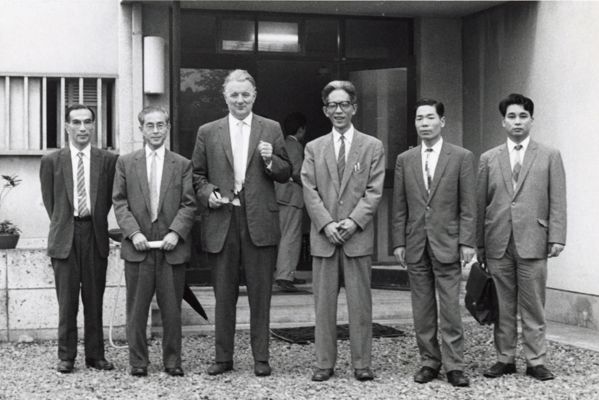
{"x":28,"y":372}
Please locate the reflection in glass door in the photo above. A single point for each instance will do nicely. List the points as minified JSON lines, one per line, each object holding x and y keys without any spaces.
{"x":382,"y":111}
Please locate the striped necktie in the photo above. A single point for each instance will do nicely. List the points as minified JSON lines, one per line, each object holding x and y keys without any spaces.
{"x":153,"y":187}
{"x":427,"y":171}
{"x":341,"y":157}
{"x":82,"y":209}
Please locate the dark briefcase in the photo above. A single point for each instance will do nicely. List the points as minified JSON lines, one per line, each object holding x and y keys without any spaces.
{"x":481,"y":295}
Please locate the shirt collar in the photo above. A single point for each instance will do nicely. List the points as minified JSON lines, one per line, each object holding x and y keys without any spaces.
{"x":86,"y":150}
{"x":511,"y":144}
{"x":159,"y":151}
{"x":436,"y":147}
{"x":246,"y":121}
{"x":348,"y":135}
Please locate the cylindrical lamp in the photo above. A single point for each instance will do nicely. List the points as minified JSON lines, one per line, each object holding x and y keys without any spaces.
{"x":154,"y":65}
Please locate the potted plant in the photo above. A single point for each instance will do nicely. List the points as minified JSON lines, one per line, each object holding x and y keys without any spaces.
{"x":9,"y":232}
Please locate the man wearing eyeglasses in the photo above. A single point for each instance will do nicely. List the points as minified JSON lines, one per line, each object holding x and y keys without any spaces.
{"x":154,"y":205}
{"x":76,"y":184}
{"x":342,"y":176}
{"x":236,"y":160}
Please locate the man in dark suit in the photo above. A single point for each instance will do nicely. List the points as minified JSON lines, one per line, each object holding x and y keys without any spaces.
{"x":521,"y":222}
{"x":154,"y":205}
{"x":291,"y":205}
{"x":76,"y":188}
{"x":343,"y":175}
{"x":235,"y":161}
{"x":434,"y":227}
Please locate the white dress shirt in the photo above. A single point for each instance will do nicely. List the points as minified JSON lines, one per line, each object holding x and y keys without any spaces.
{"x":348,"y":136}
{"x":86,"y":166}
{"x":159,"y":165}
{"x":513,"y":152}
{"x":240,"y":142}
{"x":433,"y":157}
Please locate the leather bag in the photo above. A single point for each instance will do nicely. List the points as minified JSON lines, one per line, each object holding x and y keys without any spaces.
{"x":481,"y":295}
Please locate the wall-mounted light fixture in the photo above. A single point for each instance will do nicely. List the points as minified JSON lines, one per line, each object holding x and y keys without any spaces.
{"x":154,"y":65}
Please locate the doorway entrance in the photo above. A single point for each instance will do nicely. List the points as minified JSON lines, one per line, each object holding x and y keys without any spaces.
{"x":292,"y":57}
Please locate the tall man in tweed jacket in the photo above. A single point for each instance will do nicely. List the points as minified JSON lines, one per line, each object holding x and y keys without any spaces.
{"x":521,"y":222}
{"x":342,"y":174}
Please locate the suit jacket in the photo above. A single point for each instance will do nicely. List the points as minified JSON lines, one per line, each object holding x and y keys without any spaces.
{"x":213,"y":169}
{"x":535,"y":211}
{"x":56,"y":177}
{"x":176,"y":204}
{"x":446,"y":216}
{"x":290,"y":193}
{"x":356,"y":196}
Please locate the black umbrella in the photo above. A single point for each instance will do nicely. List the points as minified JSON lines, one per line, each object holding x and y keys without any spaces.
{"x":188,"y":296}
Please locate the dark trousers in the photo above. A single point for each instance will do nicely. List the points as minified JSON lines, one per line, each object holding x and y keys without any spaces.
{"x":84,"y":269}
{"x":427,"y":277}
{"x":240,"y":256}
{"x":154,"y":275}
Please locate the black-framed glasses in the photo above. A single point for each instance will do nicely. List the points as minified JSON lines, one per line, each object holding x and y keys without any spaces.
{"x":344,"y":105}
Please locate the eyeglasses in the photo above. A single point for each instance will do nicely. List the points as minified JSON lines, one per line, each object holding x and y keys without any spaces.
{"x":332,"y":106}
{"x":159,"y":125}
{"x":77,"y":123}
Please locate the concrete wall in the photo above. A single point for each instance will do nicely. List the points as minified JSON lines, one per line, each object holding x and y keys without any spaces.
{"x":438,"y":48}
{"x":546,"y":50}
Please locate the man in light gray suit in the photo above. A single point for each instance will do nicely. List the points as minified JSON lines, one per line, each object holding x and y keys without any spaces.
{"x":291,"y":205}
{"x":434,"y":227}
{"x":342,"y":174}
{"x":521,"y":222}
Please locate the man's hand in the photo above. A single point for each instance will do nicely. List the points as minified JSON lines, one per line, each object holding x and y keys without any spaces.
{"x":481,"y":256}
{"x":265,"y":150}
{"x":554,"y":249}
{"x":140,"y":242}
{"x":170,"y":241}
{"x":215,"y":200}
{"x":333,"y":234}
{"x":400,"y":256}
{"x":347,"y":228}
{"x":466,"y":254}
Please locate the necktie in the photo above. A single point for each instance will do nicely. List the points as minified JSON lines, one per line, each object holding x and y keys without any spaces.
{"x":341,"y":157}
{"x":517,"y":165}
{"x":427,"y":171}
{"x":239,"y":156}
{"x":153,"y":187}
{"x":82,"y":209}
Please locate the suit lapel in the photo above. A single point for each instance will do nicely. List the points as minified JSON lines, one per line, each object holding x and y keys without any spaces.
{"x":417,"y":171}
{"x":142,"y":176}
{"x":168,"y":168}
{"x":255,"y":135}
{"x":94,"y":176}
{"x":506,"y":168}
{"x":440,"y":168}
{"x":529,"y":157}
{"x":331,"y":162}
{"x":67,"y":172}
{"x":225,"y":138}
{"x":352,"y":159}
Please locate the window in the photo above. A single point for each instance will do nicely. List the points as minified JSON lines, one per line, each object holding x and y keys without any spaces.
{"x":32,"y":110}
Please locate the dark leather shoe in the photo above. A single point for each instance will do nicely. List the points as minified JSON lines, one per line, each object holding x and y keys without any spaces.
{"x":102,"y":364}
{"x":177,"y":371}
{"x":139,"y":371}
{"x":297,"y":281}
{"x":322,"y":374}
{"x":219,"y":368}
{"x":457,"y":378}
{"x":425,"y":375}
{"x":540,"y":372}
{"x":286,"y":286}
{"x":65,"y":366}
{"x":261,"y":368}
{"x":499,"y":369}
{"x":363,"y":374}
